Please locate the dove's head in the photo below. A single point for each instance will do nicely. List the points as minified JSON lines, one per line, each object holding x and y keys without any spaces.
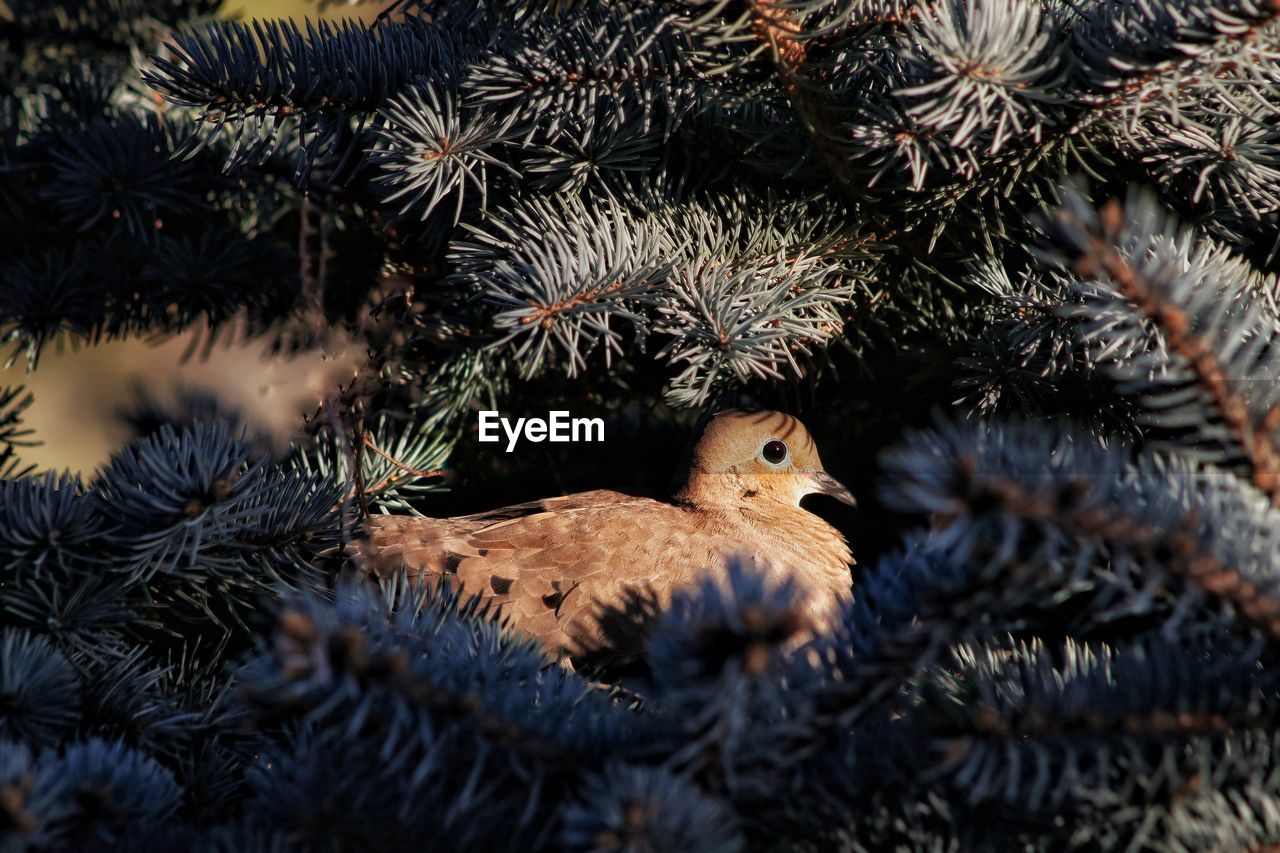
{"x":756,"y":456}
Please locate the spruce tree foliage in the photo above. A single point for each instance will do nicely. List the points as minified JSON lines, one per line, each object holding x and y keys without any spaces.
{"x":1014,"y":261}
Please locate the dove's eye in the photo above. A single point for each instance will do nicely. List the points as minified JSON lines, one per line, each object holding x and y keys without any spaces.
{"x":774,"y":451}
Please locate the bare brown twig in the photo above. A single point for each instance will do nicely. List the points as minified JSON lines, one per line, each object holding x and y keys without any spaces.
{"x":382,"y":484}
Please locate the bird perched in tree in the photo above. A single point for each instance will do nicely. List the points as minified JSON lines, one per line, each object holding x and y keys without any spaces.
{"x":564,"y":569}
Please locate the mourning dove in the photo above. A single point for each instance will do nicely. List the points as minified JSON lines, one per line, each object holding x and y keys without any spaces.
{"x":561,"y":567}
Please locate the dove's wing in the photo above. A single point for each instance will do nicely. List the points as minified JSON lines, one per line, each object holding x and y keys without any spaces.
{"x":553,"y":565}
{"x":423,"y":543}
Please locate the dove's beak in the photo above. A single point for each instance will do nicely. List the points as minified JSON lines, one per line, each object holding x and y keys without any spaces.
{"x":827,"y":485}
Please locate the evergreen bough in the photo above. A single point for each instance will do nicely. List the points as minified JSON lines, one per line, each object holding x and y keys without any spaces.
{"x":1056,"y":224}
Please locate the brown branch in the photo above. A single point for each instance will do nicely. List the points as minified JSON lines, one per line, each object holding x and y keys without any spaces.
{"x":1227,"y":67}
{"x":349,"y":649}
{"x":351,"y":451}
{"x":1176,"y":549}
{"x":613,"y":78}
{"x":369,"y":442}
{"x":1033,"y":723}
{"x":774,"y":26}
{"x":1101,"y":257}
{"x":545,"y":314}
{"x":905,"y":14}
{"x":989,"y":725}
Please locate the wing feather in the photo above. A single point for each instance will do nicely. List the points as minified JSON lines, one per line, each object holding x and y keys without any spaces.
{"x":551,"y":565}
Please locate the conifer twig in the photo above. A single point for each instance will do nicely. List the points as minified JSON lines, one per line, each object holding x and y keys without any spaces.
{"x":1100,"y":256}
{"x":1176,"y":549}
{"x":774,"y":25}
